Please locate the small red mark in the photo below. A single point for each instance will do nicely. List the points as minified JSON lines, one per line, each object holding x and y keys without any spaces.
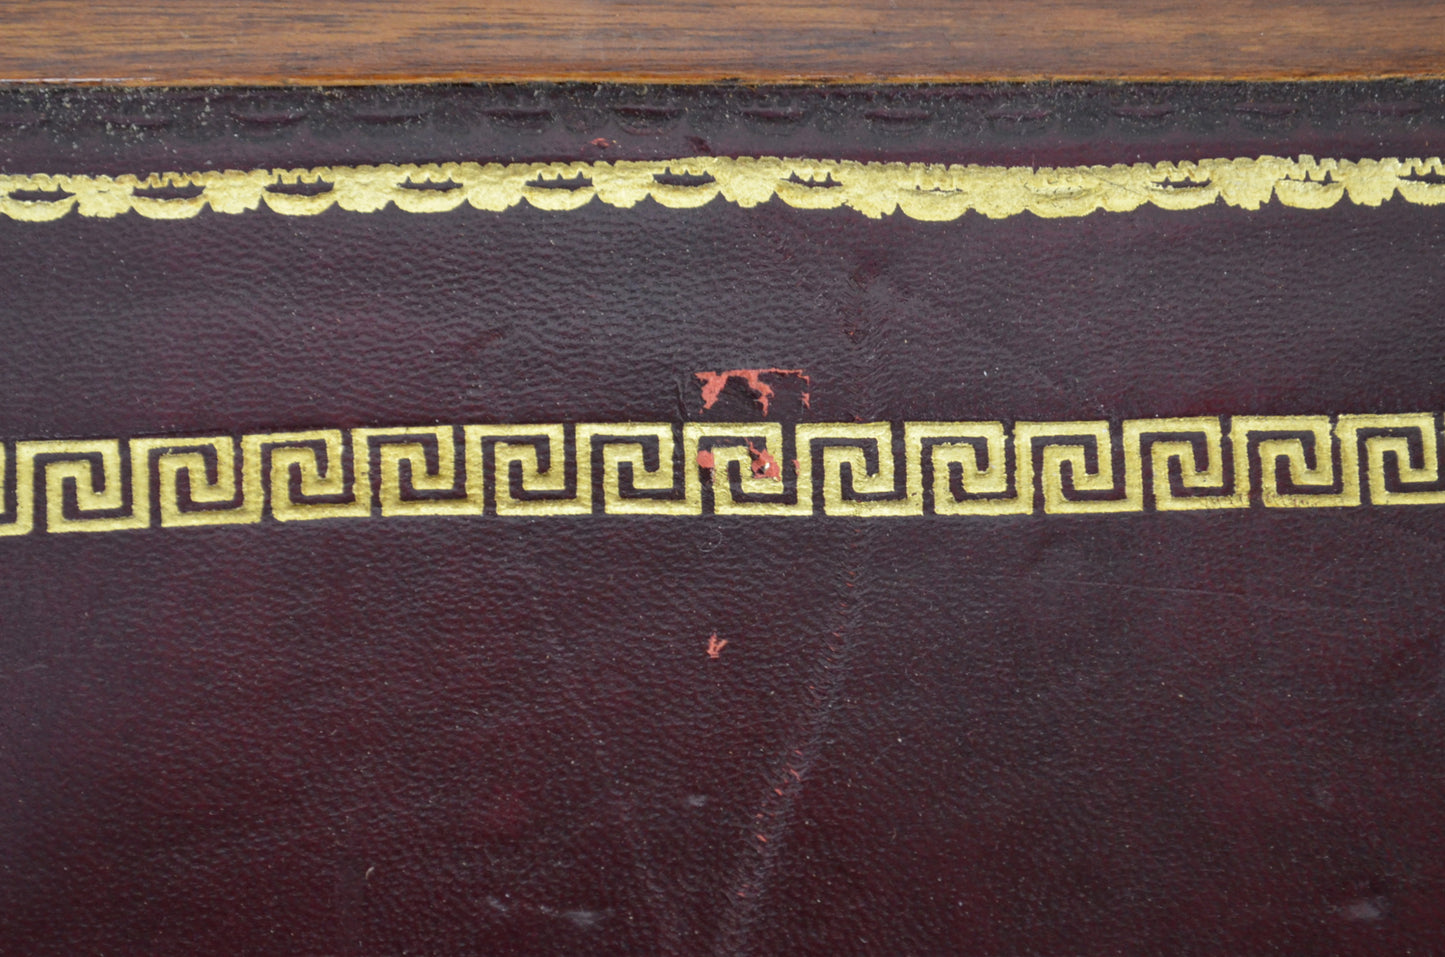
{"x":764,"y":465}
{"x":713,"y":383}
{"x":761,"y":838}
{"x":715,"y":647}
{"x":705,"y":459}
{"x":602,"y":143}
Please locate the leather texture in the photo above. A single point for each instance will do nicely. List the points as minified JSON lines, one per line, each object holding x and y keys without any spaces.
{"x":1159,"y":733}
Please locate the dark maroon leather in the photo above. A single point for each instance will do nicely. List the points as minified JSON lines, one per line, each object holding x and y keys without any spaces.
{"x":1191,"y":733}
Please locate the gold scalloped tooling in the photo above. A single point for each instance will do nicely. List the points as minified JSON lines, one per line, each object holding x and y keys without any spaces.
{"x":920,"y":191}
{"x":768,"y":469}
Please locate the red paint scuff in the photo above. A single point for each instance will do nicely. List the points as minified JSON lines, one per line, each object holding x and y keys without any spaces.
{"x":764,"y":465}
{"x":713,"y":383}
{"x":715,"y":647}
{"x":705,"y":459}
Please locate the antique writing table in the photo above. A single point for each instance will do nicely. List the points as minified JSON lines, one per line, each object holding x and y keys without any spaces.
{"x":586,"y":517}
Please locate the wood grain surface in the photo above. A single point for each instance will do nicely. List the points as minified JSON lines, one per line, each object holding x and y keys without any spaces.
{"x":365,"y":41}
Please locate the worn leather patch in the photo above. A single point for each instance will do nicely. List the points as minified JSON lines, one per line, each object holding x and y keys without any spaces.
{"x":561,"y":520}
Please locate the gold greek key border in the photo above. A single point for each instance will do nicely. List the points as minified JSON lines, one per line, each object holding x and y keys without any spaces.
{"x":920,"y":191}
{"x":858,"y":470}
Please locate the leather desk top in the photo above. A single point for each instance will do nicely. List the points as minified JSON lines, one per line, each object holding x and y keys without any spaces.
{"x":617,"y":541}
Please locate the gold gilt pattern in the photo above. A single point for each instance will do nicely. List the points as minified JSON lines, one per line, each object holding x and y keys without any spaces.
{"x":858,"y":470}
{"x":920,"y":191}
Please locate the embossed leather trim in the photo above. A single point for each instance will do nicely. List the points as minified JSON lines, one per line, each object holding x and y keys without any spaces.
{"x":861,"y":470}
{"x":920,"y":191}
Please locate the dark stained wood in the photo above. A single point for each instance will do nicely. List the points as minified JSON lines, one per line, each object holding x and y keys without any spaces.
{"x":364,"y":41}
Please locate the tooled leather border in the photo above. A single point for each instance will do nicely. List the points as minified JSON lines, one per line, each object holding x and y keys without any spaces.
{"x":898,"y":110}
{"x":120,"y":130}
{"x":921,"y":191}
{"x":905,"y":469}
